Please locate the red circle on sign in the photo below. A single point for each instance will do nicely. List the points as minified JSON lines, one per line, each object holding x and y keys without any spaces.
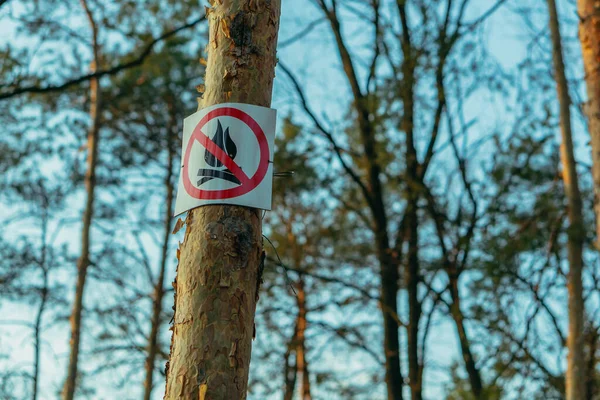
{"x":247,"y":183}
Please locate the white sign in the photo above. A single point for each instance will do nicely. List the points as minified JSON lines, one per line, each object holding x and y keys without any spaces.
{"x":227,"y":157}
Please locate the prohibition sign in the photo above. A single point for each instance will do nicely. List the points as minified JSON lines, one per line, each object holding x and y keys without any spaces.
{"x":247,"y":183}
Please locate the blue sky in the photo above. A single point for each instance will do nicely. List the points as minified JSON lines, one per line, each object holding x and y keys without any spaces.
{"x":507,"y":38}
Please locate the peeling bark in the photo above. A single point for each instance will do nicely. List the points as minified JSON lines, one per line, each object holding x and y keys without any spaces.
{"x":221,"y":255}
{"x":90,"y":184}
{"x":575,"y":374}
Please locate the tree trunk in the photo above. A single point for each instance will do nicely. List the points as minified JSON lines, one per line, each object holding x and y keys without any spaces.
{"x":290,"y":371}
{"x":415,"y":370}
{"x":592,"y":361}
{"x":297,"y":346}
{"x":218,"y":276}
{"x":389,"y":307}
{"x":37,"y":329}
{"x":575,"y":375}
{"x":90,"y":184}
{"x":465,"y":344}
{"x":414,"y":311}
{"x":388,"y":262}
{"x":159,"y":290}
{"x":301,"y":363}
{"x":589,"y":34}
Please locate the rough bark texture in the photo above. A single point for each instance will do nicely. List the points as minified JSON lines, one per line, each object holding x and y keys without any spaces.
{"x":575,"y":375}
{"x":90,"y":184}
{"x":218,"y":276}
{"x":589,"y":34}
{"x":159,"y":289}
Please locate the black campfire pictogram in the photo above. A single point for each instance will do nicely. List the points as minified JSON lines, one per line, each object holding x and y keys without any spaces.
{"x":223,"y":140}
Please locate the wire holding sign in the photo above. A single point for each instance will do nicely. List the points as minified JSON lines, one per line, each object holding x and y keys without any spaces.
{"x":227,"y":157}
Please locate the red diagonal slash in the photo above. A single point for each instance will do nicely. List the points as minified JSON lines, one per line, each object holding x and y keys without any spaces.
{"x":223,"y":157}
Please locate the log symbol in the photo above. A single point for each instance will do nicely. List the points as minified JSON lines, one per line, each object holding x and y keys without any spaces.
{"x":223,"y":140}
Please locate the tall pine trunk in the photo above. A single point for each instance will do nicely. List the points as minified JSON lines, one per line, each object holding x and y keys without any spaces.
{"x":297,"y":346}
{"x":90,"y":185}
{"x":159,"y":290}
{"x":218,"y":276}
{"x":575,"y":376}
{"x":589,"y":34}
{"x":301,"y":363}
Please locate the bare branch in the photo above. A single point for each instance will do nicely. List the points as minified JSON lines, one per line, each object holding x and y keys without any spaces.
{"x":301,"y":34}
{"x":139,"y":60}
{"x":325,"y":132}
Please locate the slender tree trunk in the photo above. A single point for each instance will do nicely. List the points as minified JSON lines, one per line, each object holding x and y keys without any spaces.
{"x":159,"y":290}
{"x":592,"y":361}
{"x":388,"y":263}
{"x":218,"y":276}
{"x":90,"y":184}
{"x":389,"y":276}
{"x":388,"y":260}
{"x":415,"y":370}
{"x":290,"y":370}
{"x":297,"y":345}
{"x":465,"y":343}
{"x":301,"y":363}
{"x":589,"y":34}
{"x":414,"y":311}
{"x":37,"y":329}
{"x":575,"y":376}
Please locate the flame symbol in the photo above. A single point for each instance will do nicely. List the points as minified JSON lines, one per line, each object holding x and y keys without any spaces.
{"x":223,"y":140}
